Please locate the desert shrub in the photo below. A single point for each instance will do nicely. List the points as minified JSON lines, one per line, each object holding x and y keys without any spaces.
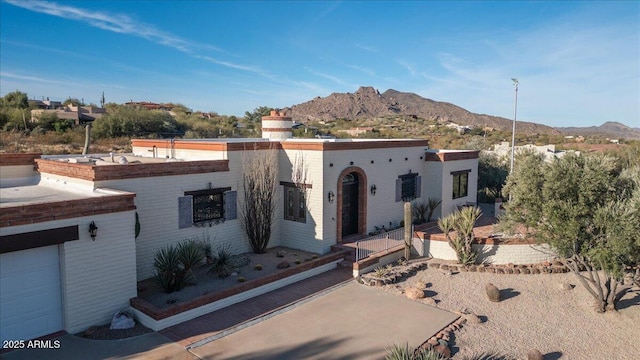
{"x":462,"y":222}
{"x":404,"y":352}
{"x":173,"y":265}
{"x":380,"y":271}
{"x":222,"y":264}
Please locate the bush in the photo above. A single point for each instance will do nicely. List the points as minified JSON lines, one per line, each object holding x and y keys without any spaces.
{"x":221,"y":263}
{"x":403,"y":352}
{"x":173,"y":265}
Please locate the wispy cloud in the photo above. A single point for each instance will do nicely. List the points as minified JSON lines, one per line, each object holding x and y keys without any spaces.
{"x":10,"y":75}
{"x":407,"y":66}
{"x":335,"y":79}
{"x":363,"y":70}
{"x":118,"y":23}
{"x":123,"y":24}
{"x":365,"y":47}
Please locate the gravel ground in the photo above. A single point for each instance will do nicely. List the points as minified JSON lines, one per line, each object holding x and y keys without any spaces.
{"x":535,"y":313}
{"x":210,"y":283}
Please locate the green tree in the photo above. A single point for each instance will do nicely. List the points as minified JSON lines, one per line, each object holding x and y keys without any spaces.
{"x":136,"y":122}
{"x":492,"y":175}
{"x":15,"y":100}
{"x":257,"y":114}
{"x":587,"y":211}
{"x":73,"y":102}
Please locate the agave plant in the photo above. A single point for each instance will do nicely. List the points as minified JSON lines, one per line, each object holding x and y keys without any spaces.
{"x":174,"y":265}
{"x":222,"y":264}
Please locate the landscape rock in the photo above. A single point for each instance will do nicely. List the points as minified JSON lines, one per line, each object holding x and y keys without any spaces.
{"x":430,"y":301}
{"x":420,"y":285}
{"x":121,"y":321}
{"x":565,"y":286}
{"x":281,"y":253}
{"x":414,"y":294}
{"x":534,"y":355}
{"x":493,"y":293}
{"x":443,"y":350}
{"x":283,"y":265}
{"x":472,"y":318}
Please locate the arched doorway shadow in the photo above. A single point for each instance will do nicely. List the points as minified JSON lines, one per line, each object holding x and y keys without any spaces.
{"x":351,"y":214}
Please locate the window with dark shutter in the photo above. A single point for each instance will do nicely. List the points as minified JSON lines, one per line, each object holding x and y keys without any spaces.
{"x":408,"y":187}
{"x":208,"y":206}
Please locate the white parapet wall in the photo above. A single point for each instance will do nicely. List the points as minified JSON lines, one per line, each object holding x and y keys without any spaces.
{"x":494,"y":253}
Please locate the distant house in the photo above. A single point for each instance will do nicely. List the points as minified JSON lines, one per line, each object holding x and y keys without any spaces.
{"x":357,"y":131}
{"x":79,"y":114}
{"x":55,"y":276}
{"x":548,"y":151}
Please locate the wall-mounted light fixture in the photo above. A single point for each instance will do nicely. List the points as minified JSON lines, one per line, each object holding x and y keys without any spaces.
{"x":330,"y":197}
{"x":374,"y":189}
{"x":93,"y":230}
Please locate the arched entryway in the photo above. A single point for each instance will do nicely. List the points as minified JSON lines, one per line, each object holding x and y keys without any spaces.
{"x":352,"y":203}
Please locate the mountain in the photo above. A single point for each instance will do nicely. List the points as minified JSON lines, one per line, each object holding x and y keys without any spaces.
{"x":367,"y":102}
{"x":610,"y":129}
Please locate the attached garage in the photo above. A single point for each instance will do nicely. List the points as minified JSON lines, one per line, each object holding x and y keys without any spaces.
{"x":30,"y":293}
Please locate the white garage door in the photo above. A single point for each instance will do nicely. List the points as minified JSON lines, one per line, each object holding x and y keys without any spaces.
{"x":30,"y":296}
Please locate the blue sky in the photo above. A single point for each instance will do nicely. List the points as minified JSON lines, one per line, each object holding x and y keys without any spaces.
{"x":578,"y":63}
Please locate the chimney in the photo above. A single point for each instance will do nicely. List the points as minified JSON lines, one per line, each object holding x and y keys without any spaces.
{"x":277,"y":126}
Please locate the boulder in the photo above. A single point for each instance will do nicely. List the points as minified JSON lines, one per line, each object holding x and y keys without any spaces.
{"x":472,"y":318}
{"x":283,"y":265}
{"x":414,"y":294}
{"x":493,"y":293}
{"x":565,"y":286}
{"x":534,"y":355}
{"x":430,"y":301}
{"x":121,"y":321}
{"x":443,"y":350}
{"x":420,"y":285}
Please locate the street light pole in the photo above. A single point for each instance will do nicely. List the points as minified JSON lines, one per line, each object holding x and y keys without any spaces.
{"x":513,"y":133}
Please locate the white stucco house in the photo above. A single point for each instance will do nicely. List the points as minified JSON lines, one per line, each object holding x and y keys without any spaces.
{"x":54,"y":276}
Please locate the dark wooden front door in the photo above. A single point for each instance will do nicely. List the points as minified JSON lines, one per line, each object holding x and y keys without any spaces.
{"x":350,"y":204}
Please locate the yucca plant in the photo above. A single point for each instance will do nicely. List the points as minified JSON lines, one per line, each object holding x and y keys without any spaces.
{"x":222,"y":264}
{"x":404,"y":352}
{"x":419,"y":208}
{"x":173,"y":265}
{"x":462,"y":222}
{"x":433,"y":205}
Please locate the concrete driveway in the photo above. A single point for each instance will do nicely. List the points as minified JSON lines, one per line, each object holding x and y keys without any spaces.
{"x":351,"y":322}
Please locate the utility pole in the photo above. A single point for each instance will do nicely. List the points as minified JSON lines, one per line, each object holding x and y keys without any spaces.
{"x":513,"y":133}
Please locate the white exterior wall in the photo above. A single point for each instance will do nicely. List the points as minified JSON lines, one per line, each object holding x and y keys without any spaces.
{"x":97,"y":277}
{"x":18,"y":175}
{"x":381,"y":208}
{"x":304,"y":236}
{"x":494,"y":254}
{"x":440,"y":172}
{"x":157,"y":206}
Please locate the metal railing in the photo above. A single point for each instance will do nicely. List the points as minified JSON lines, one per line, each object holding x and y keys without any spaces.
{"x":378,"y":243}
